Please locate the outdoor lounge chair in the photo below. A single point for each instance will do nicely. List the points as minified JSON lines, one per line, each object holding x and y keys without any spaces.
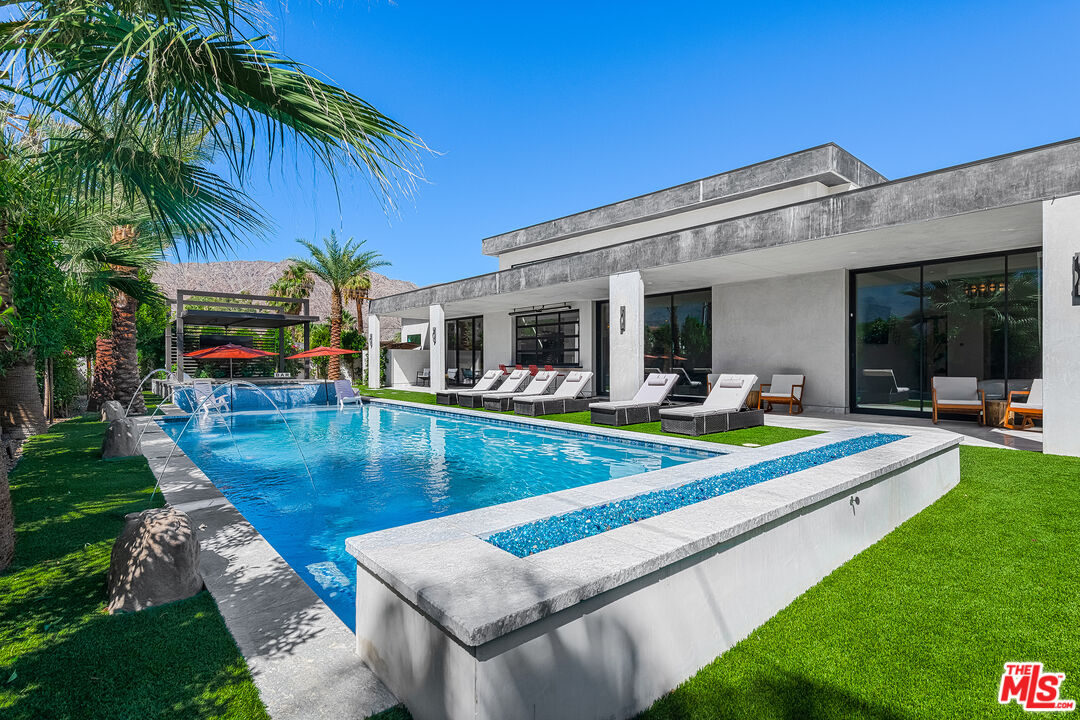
{"x":343,"y":389}
{"x":566,"y":398}
{"x":879,"y":386}
{"x":783,"y":390}
{"x":514,"y":383}
{"x":486,"y":384}
{"x":958,"y":395}
{"x":541,"y":384}
{"x":204,"y":390}
{"x":724,"y":409}
{"x":643,"y":408}
{"x":1026,"y":411}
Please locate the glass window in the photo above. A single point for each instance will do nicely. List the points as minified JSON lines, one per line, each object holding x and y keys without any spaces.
{"x":977,"y":317}
{"x":465,"y":349}
{"x":547,"y":339}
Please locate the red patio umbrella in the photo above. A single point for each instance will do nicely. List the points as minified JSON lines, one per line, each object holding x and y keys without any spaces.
{"x":322,"y":351}
{"x":229,"y":352}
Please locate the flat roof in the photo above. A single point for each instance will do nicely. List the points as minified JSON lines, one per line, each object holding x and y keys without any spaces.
{"x":1004,"y":181}
{"x":227,"y":318}
{"x":828,"y":164}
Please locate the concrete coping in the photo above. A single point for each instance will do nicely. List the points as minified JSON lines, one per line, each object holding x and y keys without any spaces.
{"x":478,"y":593}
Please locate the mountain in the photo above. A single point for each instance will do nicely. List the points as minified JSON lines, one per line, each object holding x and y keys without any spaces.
{"x":256,"y":276}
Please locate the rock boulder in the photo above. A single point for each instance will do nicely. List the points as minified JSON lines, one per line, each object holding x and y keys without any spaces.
{"x":154,"y":561}
{"x":112,"y":410}
{"x":121,"y":439}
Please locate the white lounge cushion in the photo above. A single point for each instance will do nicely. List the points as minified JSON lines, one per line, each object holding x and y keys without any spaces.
{"x":574,"y":385}
{"x":960,"y":403}
{"x":728,"y":395}
{"x":784,"y":386}
{"x":951,"y":389}
{"x":513,"y":384}
{"x":1035,"y":397}
{"x":487,"y":382}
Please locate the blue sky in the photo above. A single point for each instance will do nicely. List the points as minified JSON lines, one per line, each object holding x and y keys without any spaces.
{"x":538,"y":110}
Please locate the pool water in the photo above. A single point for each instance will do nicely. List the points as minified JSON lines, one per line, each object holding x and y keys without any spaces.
{"x":381,"y":466}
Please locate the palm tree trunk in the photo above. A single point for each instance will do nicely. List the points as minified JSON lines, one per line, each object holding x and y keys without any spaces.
{"x":21,"y":412}
{"x":334,"y":372}
{"x":101,"y":390}
{"x":360,"y":314}
{"x":124,"y":356}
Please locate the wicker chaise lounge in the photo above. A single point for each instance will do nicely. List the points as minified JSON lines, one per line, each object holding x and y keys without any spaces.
{"x":541,"y":384}
{"x":1025,"y":411}
{"x":724,"y":409}
{"x":643,"y":408}
{"x":567,"y":397}
{"x":487,"y":383}
{"x":958,"y":395}
{"x":514,"y":383}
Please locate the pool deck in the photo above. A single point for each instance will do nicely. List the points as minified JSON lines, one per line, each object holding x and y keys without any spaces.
{"x":303,"y":658}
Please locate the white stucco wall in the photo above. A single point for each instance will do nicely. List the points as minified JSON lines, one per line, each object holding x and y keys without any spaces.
{"x":670,"y":223}
{"x":1061,"y":328}
{"x":790,"y":324}
{"x":436,"y":338}
{"x":498,"y":340}
{"x":412,"y":327}
{"x":403,"y":365}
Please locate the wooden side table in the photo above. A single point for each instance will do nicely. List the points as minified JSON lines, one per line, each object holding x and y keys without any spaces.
{"x":995,"y":412}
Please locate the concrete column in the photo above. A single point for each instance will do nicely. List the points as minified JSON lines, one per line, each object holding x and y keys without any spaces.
{"x":1061,"y":327}
{"x":374,"y":353}
{"x":626,"y":295}
{"x":437,"y":347}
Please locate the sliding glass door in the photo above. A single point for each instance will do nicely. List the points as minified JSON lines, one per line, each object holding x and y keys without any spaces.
{"x":464,"y":349}
{"x":976,"y":317}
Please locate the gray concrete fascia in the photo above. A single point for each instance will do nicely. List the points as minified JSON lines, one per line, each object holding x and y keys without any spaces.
{"x":828,"y":164}
{"x":1033,"y":175}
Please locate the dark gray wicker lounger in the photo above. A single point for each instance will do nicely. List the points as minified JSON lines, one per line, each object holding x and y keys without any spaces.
{"x":550,"y":406}
{"x":703,"y":422}
{"x":503,"y":401}
{"x":643,"y":408}
{"x":474,"y":398}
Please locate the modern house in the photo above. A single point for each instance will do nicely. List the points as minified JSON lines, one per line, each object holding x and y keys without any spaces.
{"x":812,"y":263}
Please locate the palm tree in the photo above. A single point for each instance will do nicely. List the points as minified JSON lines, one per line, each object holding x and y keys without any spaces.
{"x":338,"y":266}
{"x":294,"y":282}
{"x":357,"y":290}
{"x":136,"y":81}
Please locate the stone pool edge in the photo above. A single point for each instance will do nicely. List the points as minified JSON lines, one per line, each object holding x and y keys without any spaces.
{"x":297,"y":649}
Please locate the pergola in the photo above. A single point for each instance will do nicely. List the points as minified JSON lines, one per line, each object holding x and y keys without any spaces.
{"x":206,"y":318}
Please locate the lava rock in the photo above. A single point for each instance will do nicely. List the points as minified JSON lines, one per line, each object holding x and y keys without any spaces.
{"x":154,"y":561}
{"x":121,"y":439}
{"x":112,"y":410}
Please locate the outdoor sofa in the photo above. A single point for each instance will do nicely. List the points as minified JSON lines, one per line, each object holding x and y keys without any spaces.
{"x":642,"y":408}
{"x":541,"y":384}
{"x":566,"y":398}
{"x":514,"y":382}
{"x":486,"y":383}
{"x":724,"y":409}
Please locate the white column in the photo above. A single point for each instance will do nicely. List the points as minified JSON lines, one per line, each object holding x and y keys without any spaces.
{"x":437,"y":347}
{"x":1061,"y":327}
{"x":626,"y":296}
{"x":374,"y":353}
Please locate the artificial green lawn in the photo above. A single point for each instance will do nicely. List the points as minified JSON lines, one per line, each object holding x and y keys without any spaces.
{"x":61,"y":655}
{"x":764,"y":435}
{"x":920,"y":624}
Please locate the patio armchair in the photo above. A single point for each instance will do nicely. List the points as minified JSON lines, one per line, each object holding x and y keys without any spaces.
{"x":343,"y":389}
{"x":782,"y":390}
{"x":1026,"y":411}
{"x":453,"y":376}
{"x":566,"y":398}
{"x":423,"y":378}
{"x":205,"y":398}
{"x":487,"y":383}
{"x":514,"y":383}
{"x":724,"y":409}
{"x":642,"y":408}
{"x":542,"y":383}
{"x":958,"y":395}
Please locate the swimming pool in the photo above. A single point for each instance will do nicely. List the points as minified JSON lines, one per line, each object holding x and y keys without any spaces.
{"x":381,"y":466}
